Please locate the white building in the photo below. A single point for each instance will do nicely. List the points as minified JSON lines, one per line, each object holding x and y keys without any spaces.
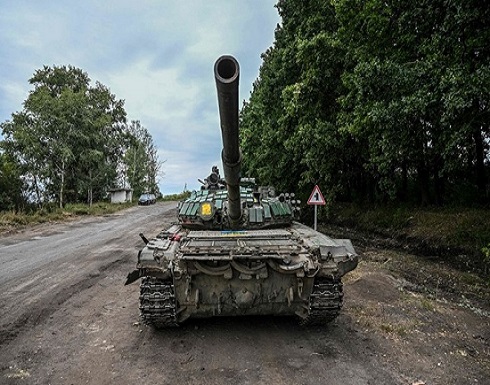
{"x":121,"y":195}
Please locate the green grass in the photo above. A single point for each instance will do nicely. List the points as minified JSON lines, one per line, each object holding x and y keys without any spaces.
{"x":177,"y":197}
{"x":446,"y":231}
{"x":427,"y":304}
{"x":463,"y":227}
{"x":400,"y":330}
{"x":11,"y":220}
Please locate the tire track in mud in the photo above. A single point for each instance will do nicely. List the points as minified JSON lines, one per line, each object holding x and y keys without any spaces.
{"x":30,"y":299}
{"x":44,"y":308}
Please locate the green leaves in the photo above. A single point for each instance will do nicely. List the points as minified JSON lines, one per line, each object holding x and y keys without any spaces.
{"x":11,"y":184}
{"x":67,"y":138}
{"x":141,"y":160}
{"x":378,"y":100}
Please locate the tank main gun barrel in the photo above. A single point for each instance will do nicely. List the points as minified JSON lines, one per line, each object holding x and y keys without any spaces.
{"x":226,"y":74}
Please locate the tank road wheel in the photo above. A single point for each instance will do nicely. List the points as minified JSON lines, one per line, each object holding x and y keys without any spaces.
{"x":325,"y":301}
{"x":157,"y":303}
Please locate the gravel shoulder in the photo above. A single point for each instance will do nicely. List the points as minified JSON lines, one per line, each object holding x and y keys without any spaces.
{"x":69,"y":319}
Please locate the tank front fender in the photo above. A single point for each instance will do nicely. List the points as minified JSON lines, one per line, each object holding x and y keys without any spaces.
{"x":133,"y":276}
{"x":348,"y":265}
{"x":147,"y":272}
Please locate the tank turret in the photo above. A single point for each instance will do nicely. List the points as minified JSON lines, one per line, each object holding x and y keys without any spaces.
{"x":233,"y":203}
{"x":226,"y":74}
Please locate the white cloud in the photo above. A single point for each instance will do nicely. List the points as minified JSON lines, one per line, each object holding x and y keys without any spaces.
{"x":181,"y":171}
{"x":156,"y":55}
{"x":153,"y":94}
{"x":13,"y":94}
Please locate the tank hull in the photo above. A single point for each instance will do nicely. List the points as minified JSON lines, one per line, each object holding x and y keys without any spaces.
{"x":198,"y":274}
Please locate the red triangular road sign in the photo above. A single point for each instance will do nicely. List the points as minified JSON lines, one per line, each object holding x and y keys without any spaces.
{"x":316,"y":197}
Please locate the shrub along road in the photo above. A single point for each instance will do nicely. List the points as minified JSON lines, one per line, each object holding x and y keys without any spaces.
{"x":67,"y":318}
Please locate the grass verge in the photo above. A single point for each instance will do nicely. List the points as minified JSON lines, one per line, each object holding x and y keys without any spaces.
{"x":177,"y":197}
{"x":11,"y":221}
{"x":459,"y":235}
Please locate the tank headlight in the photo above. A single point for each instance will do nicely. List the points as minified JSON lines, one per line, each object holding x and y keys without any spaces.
{"x":206,"y":210}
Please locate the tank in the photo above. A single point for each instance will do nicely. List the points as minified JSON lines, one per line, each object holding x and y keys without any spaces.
{"x":236,"y":248}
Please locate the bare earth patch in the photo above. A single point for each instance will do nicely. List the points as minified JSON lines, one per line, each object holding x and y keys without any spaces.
{"x":433,"y":321}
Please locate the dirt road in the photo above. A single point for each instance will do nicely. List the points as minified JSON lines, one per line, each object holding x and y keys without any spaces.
{"x":67,"y":318}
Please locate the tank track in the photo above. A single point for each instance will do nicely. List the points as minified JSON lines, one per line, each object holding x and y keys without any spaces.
{"x":325,"y":301}
{"x":158,"y":306}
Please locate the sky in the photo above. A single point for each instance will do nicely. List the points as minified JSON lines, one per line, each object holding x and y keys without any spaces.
{"x":156,"y":55}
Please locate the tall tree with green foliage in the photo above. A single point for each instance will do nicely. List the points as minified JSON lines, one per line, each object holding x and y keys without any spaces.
{"x":11,"y":184}
{"x":141,"y":160}
{"x":463,"y":42}
{"x":288,"y":128}
{"x":389,"y":87}
{"x":375,"y":100}
{"x":68,"y":136}
{"x":417,"y":91}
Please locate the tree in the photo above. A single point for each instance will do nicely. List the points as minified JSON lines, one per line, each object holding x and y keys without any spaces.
{"x":289,"y":135}
{"x":377,"y":100}
{"x":68,"y":135}
{"x":104,"y":141}
{"x":463,"y":46}
{"x":11,"y":184}
{"x":142,"y":166}
{"x":417,"y":91}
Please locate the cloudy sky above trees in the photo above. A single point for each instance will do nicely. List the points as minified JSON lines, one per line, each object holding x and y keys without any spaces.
{"x":157,"y":55}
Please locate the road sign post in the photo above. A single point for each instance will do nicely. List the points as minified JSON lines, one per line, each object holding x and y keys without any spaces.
{"x":316,"y":199}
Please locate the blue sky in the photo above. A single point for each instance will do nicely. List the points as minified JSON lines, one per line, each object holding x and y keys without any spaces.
{"x":157,"y":55}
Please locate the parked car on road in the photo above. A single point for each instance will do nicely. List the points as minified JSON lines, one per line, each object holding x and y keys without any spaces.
{"x":147,"y":199}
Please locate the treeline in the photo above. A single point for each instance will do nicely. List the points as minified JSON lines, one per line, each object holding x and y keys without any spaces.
{"x":375,"y":101}
{"x":71,"y":143}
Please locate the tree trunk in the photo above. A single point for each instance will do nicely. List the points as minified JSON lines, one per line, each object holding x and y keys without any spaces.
{"x":403,"y":192}
{"x":62,"y":183}
{"x":90,"y":189}
{"x":481,"y":181}
{"x":38,"y":193}
{"x":423,"y":177}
